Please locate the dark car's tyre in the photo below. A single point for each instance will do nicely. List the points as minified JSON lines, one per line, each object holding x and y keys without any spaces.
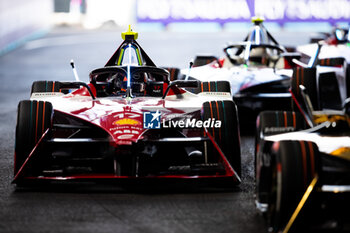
{"x":201,"y":60}
{"x":270,"y":123}
{"x":294,"y":165}
{"x":276,"y":122}
{"x":316,"y":39}
{"x":213,"y":86}
{"x":45,"y":86}
{"x":33,"y":119}
{"x":306,"y":77}
{"x":174,"y":73}
{"x":227,"y":136}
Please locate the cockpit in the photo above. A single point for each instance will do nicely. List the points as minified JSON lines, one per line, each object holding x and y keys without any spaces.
{"x":258,"y":48}
{"x":129,"y":72}
{"x":141,"y":80}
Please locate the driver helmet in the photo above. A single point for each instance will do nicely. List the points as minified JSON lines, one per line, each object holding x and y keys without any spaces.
{"x":137,"y":83}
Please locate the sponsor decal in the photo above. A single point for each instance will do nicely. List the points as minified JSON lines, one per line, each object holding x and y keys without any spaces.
{"x":215,"y":93}
{"x":45,"y":94}
{"x":125,"y":136}
{"x":278,"y":129}
{"x":127,"y":121}
{"x":192,"y":123}
{"x":151,"y":120}
{"x":126,"y":131}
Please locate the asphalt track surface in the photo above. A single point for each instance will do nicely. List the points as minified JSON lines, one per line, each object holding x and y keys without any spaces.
{"x":113,"y":208}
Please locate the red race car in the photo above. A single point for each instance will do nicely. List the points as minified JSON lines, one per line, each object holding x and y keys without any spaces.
{"x":130,"y":121}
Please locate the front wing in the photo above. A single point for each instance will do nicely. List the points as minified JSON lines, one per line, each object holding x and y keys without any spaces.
{"x":200,"y":157}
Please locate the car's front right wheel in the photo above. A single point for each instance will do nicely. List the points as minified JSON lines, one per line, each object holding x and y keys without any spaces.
{"x":227,"y":136}
{"x":33,"y":119}
{"x":294,"y":165}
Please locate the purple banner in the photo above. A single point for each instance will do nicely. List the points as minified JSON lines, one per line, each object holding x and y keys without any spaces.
{"x":223,"y":11}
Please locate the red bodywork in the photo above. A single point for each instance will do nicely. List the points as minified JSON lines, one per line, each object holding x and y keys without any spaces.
{"x":122,"y":119}
{"x":97,"y":132}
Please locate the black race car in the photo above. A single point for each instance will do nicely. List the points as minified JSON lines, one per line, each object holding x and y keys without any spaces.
{"x":302,"y":158}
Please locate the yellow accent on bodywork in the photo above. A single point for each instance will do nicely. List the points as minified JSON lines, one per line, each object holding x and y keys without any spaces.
{"x":257,"y":19}
{"x":301,"y":204}
{"x":320,"y":118}
{"x":139,"y":57}
{"x":120,"y":57}
{"x":130,"y":33}
{"x":127,"y":121}
{"x":343,"y":152}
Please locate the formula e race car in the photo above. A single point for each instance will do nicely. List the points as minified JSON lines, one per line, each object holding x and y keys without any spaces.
{"x":339,"y":35}
{"x":335,"y":44}
{"x":130,"y":121}
{"x":259,"y":71}
{"x":302,"y":159}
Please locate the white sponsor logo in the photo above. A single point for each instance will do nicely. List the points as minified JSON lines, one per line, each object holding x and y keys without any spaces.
{"x":45,"y":94}
{"x":192,"y":123}
{"x":126,"y":131}
{"x":278,"y":129}
{"x":125,"y":136}
{"x":215,"y":93}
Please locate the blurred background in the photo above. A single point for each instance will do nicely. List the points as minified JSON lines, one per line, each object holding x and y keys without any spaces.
{"x":23,"y":20}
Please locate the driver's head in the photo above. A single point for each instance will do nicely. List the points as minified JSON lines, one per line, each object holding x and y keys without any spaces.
{"x":137,"y":83}
{"x":120,"y":83}
{"x":259,"y":55}
{"x":138,"y":86}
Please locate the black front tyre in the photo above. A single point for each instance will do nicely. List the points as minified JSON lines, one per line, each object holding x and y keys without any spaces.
{"x":211,"y":86}
{"x":227,"y":136}
{"x":276,"y":122}
{"x":201,"y":60}
{"x":45,"y":86}
{"x":294,"y":165}
{"x":174,"y":73}
{"x":308,"y":78}
{"x":33,"y":119}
